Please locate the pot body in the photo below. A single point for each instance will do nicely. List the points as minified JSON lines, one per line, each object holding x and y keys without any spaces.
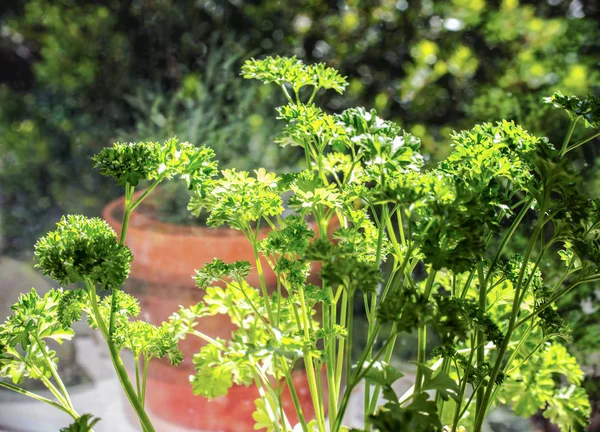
{"x":165,"y":259}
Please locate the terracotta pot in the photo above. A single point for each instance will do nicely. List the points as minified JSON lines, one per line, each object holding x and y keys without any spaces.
{"x":165,"y":257}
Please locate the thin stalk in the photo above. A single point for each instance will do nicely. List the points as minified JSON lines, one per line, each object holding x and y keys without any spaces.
{"x":37,"y":397}
{"x":118,"y":363}
{"x":312,"y":96}
{"x":422,"y":334}
{"x":55,"y":392}
{"x":372,"y":307}
{"x":439,"y":400}
{"x":341,"y":344}
{"x":330,"y":365}
{"x":513,"y":227}
{"x":360,"y":374}
{"x":350,"y":328}
{"x":138,"y":384}
{"x":511,"y":327}
{"x":582,"y":142}
{"x":53,"y":370}
{"x":144,"y":380}
{"x":463,"y":387}
{"x":570,"y":130}
{"x":555,"y":298}
{"x":387,"y":357}
{"x":296,"y":401}
{"x":309,"y":366}
{"x":147,"y":192}
{"x":263,"y":285}
{"x":480,"y":333}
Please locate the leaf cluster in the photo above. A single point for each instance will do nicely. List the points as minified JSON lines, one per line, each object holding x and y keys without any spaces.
{"x":128,"y":163}
{"x":23,"y":351}
{"x":82,"y":249}
{"x":237,"y":199}
{"x":532,"y":387}
{"x":85,"y":423}
{"x":588,"y":108}
{"x":293,"y":72}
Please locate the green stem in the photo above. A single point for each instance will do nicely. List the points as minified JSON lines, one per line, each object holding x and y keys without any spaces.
{"x":511,"y":327}
{"x":582,"y":142}
{"x":422,"y":334}
{"x":513,"y":227}
{"x":555,"y":298}
{"x":296,"y":401}
{"x":480,"y":333}
{"x":388,"y":356}
{"x":360,"y":374}
{"x":118,"y":363}
{"x":309,"y":366}
{"x":263,"y":285}
{"x":570,"y":130}
{"x":146,"y":192}
{"x":312,"y":96}
{"x":439,"y":400}
{"x":53,"y":370}
{"x":342,"y":342}
{"x":329,"y":364}
{"x":37,"y":397}
{"x":462,"y":389}
{"x":144,"y":380}
{"x":138,"y":384}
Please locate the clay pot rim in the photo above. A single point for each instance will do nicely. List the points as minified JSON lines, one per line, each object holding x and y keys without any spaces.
{"x":140,"y":223}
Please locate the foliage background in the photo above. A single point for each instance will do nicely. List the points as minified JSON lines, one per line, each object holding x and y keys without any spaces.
{"x":76,"y":75}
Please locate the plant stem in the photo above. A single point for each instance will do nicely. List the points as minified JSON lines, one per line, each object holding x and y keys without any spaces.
{"x":511,"y":327}
{"x":309,"y":366}
{"x":341,"y":345}
{"x":388,"y":356}
{"x":480,"y":333}
{"x":296,"y":401}
{"x":53,"y":370}
{"x":144,"y":379}
{"x":555,"y":298}
{"x":422,"y":334}
{"x":513,"y":227}
{"x":37,"y":397}
{"x":570,"y":130}
{"x":462,"y":389}
{"x":263,"y":285}
{"x":118,"y":363}
{"x":138,"y":385}
{"x":582,"y":142}
{"x":146,"y":193}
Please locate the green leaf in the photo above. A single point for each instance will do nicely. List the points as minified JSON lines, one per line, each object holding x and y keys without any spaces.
{"x":85,"y":423}
{"x":217,"y":270}
{"x":533,"y":386}
{"x":440,"y":381}
{"x":569,"y":409}
{"x":420,"y":416}
{"x":588,"y":108}
{"x":383,"y":374}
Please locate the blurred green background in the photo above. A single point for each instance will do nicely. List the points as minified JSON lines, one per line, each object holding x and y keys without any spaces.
{"x":77,"y":75}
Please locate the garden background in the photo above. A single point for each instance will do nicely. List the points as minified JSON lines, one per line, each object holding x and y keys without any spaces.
{"x":76,"y":75}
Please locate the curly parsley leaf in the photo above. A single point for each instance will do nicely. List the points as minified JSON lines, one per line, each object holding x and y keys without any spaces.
{"x":293,"y":72}
{"x":85,"y":423}
{"x":128,"y":163}
{"x":420,"y":416}
{"x":83,"y":248}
